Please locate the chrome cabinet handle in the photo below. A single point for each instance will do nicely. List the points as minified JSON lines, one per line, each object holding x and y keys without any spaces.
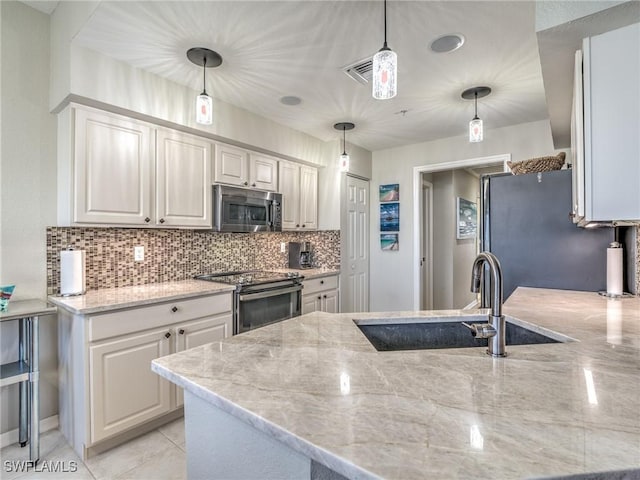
{"x":174,"y":309}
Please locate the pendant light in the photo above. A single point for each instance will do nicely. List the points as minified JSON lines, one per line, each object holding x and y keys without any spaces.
{"x":343,"y":159}
{"x":204,"y":104}
{"x":476,"y":133}
{"x":385,"y":68}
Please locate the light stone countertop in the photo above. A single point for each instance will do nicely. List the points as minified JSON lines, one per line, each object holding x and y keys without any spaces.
{"x":103,"y":300}
{"x":106,"y":299}
{"x":315,"y":383}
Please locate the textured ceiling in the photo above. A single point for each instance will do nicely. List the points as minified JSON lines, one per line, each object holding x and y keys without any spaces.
{"x":272,"y":49}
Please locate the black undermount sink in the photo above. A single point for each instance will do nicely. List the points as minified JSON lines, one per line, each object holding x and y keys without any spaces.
{"x":421,"y":334}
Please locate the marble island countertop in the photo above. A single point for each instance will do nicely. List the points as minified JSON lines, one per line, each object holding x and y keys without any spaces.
{"x":316,"y":384}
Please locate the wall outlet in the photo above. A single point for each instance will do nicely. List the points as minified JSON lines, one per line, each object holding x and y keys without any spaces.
{"x":138,"y":253}
{"x":283,"y":247}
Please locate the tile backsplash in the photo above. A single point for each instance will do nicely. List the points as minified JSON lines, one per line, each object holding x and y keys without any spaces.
{"x":177,"y":254}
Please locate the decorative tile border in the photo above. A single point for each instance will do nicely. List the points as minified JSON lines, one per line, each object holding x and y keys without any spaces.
{"x":177,"y":254}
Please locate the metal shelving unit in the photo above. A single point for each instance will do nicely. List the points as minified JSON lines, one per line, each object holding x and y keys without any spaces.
{"x":25,"y":371}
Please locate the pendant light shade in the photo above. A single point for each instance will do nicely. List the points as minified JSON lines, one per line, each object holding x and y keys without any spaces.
{"x":385,"y":69}
{"x":343,"y":159}
{"x":204,"y":103}
{"x":476,"y":133}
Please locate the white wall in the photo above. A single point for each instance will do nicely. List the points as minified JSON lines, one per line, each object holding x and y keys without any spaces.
{"x":443,"y":240}
{"x":27,"y":188}
{"x":396,"y":166}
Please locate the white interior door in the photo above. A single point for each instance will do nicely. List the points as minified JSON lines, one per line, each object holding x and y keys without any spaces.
{"x":426,"y":248}
{"x":354,"y":284}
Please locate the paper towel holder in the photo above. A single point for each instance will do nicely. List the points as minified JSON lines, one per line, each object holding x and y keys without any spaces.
{"x":78,"y":286}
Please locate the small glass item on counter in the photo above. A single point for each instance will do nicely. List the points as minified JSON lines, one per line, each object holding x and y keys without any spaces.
{"x":5,"y":294}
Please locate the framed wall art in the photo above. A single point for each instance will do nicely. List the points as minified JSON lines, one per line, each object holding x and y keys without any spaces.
{"x":466,"y":219}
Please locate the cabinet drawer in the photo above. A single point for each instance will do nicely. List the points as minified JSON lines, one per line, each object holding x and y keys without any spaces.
{"x":319,"y":284}
{"x":142,"y":318}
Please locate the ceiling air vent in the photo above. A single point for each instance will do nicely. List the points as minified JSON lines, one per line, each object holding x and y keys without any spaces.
{"x":360,"y":71}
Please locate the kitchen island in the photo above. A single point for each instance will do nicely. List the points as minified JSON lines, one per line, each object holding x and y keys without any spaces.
{"x":316,"y":398}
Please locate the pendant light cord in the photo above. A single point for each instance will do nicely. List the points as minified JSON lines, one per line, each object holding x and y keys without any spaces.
{"x":204,"y":75}
{"x":344,"y":139}
{"x":475,"y":94}
{"x":385,"y":24}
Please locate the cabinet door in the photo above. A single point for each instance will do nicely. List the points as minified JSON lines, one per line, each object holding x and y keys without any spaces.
{"x":123,"y":390}
{"x":200,"y":332}
{"x":113,"y":161}
{"x":289,"y":182}
{"x":311,"y":303}
{"x":330,"y":301}
{"x":183,"y":180}
{"x":308,"y":198}
{"x":263,"y":172}
{"x":231,"y":165}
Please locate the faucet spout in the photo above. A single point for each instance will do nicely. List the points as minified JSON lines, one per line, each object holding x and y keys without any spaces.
{"x":497,"y":342}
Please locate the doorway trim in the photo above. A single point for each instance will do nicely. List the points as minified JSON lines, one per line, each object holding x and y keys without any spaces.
{"x":417,"y":211}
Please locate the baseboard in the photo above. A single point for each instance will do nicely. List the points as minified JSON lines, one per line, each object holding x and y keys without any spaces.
{"x":11,"y":437}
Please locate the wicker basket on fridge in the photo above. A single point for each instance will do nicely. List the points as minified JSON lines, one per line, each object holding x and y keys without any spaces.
{"x":540,"y":164}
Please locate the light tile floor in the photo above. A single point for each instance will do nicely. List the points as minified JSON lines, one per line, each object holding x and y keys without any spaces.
{"x":158,"y":455}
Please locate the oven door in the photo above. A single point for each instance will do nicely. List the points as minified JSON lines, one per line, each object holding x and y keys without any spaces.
{"x":257,"y":308}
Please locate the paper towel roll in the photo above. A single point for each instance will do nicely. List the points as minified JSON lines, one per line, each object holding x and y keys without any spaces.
{"x":614,"y":269}
{"x":72,"y":279}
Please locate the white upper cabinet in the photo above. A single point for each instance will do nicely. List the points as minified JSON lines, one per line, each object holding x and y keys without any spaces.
{"x":183,"y":180}
{"x":113,"y":163}
{"x":126,"y":172}
{"x":237,"y":166}
{"x":299,"y":188}
{"x":263,"y":172}
{"x":611,"y":76}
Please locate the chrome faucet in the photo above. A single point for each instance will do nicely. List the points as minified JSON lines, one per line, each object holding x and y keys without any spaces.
{"x":494,"y":330}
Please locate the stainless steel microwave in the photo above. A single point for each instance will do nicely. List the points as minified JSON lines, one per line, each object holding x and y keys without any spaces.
{"x":238,"y":209}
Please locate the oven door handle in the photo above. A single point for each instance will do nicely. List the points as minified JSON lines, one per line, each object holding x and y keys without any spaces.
{"x":268,"y":293}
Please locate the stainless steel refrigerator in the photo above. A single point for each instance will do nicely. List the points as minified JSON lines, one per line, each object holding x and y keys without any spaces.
{"x":525,"y":222}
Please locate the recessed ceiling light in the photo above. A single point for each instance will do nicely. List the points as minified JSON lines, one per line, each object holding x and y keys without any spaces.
{"x":447,"y":43}
{"x":291,"y":100}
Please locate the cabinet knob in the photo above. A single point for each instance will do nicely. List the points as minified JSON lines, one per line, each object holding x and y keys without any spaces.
{"x":162,"y":220}
{"x":167,"y":335}
{"x":181,"y":331}
{"x":297,"y":224}
{"x":321,"y":282}
{"x":324,"y":296}
{"x":303,"y":225}
{"x":246,"y":183}
{"x":319,"y":297}
{"x":253,"y":184}
{"x":147,"y":220}
{"x":174,"y":309}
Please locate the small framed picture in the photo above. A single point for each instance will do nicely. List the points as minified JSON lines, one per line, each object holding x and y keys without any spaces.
{"x":390,"y":217}
{"x":389,"y":241}
{"x":390,"y":193}
{"x":466,"y":219}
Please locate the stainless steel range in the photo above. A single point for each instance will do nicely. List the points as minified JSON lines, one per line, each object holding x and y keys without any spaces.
{"x":261,"y":297}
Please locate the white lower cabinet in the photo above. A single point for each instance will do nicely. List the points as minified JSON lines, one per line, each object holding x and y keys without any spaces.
{"x":124,"y":391}
{"x":108,"y":390}
{"x":321,"y":295}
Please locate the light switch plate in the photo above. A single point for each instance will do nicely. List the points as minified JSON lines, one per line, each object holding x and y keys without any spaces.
{"x":138,"y":253}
